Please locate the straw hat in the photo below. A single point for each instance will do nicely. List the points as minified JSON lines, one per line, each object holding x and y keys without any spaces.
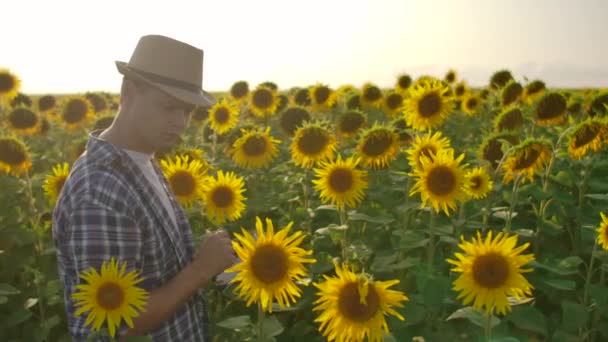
{"x":171,"y":66}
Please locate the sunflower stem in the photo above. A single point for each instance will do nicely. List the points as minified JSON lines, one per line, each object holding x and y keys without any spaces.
{"x":260,"y":324}
{"x":509,"y":217}
{"x":214,"y":146}
{"x":343,"y":222}
{"x":589,"y":275}
{"x":431,"y":245}
{"x":488,"y":326}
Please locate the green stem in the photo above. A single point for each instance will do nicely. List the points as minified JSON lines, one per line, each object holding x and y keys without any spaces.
{"x":509,"y":217}
{"x":260,"y":324}
{"x":431,"y":245}
{"x":488,"y":326}
{"x":589,"y":275}
{"x":39,"y":244}
{"x":343,"y":222}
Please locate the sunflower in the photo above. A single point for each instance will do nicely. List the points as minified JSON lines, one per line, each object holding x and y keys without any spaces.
{"x":499,"y":79}
{"x":99,"y":103}
{"x":103,"y":122}
{"x":450,"y":76}
{"x":478,"y":183}
{"x":378,"y":146}
{"x":403,"y":131}
{"x":352,"y":306}
{"x":345,"y":89}
{"x":575,"y":107}
{"x":53,"y":183}
{"x":491,"y":147}
{"x":77,"y":111}
{"x":200,"y":114}
{"x":44,"y":127}
{"x":223,"y":116}
{"x":471,"y":104}
{"x":110,"y":295}
{"x":587,"y":135}
{"x":186,"y":178}
{"x":283,"y":102}
{"x":313,"y":142}
{"x":392,"y":102}
{"x":353,"y":102}
{"x":194,"y":154}
{"x":510,"y":93}
{"x":270,"y":84}
{"x":526,"y":159}
{"x":14,"y":157}
{"x":9,"y":85}
{"x":21,"y":100}
{"x":254,"y":149}
{"x":292,"y":118}
{"x":491,"y":272}
{"x":440,"y":181}
{"x":351,"y":122}
{"x":427,"y":107}
{"x":460,"y":90}
{"x":23,"y":121}
{"x":510,"y":119}
{"x":322,"y":96}
{"x":263,"y":101}
{"x":427,"y":145}
{"x":533,"y":90}
{"x":239,"y":91}
{"x":46,"y":103}
{"x":223,"y":197}
{"x":602,"y":232}
{"x":371,"y":95}
{"x":404,"y":81}
{"x":550,"y":109}
{"x":271,"y":265}
{"x":599,"y":104}
{"x":339,"y":182}
{"x":302,"y":97}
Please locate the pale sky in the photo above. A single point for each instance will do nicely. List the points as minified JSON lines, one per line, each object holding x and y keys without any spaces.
{"x":63,"y":46}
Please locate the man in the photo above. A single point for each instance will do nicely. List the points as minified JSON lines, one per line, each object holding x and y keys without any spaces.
{"x":116,"y":202}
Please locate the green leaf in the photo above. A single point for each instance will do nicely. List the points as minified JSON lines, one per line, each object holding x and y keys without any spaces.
{"x":505,"y":339}
{"x":16,"y":318}
{"x":272,"y":327}
{"x":561,"y":336}
{"x":600,"y":197}
{"x":528,"y":318}
{"x":475,"y":316}
{"x":561,"y":284}
{"x":3,"y":299}
{"x":236,"y":323}
{"x":366,"y":218}
{"x":574,"y":316}
{"x":570,"y":262}
{"x":327,"y":207}
{"x":434,"y":289}
{"x":8,"y":290}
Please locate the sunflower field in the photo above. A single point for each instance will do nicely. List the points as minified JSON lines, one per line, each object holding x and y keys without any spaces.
{"x":428,"y":211}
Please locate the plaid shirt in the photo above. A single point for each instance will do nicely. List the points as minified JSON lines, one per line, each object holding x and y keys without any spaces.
{"x":107,"y":208}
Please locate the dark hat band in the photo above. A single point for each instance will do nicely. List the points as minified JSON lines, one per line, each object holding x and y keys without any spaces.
{"x":167,"y":81}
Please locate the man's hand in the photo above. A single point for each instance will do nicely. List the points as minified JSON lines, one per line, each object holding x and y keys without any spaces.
{"x":214,"y":255}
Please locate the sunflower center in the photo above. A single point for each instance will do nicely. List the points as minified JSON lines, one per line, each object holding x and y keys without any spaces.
{"x":472,"y":103}
{"x":527,"y":159}
{"x":11,"y":152}
{"x":551,"y":106}
{"x":459,"y":90}
{"x":394,"y":101}
{"x":222,"y":115}
{"x":377,"y":144}
{"x":321,"y":94}
{"x":312,"y":142}
{"x":262,"y":98}
{"x":585,"y":135}
{"x":200,"y":114}
{"x":239,"y":90}
{"x":6,"y":83}
{"x":441,"y":180}
{"x":341,"y":180}
{"x":302,"y":97}
{"x":110,"y":296}
{"x":46,"y":102}
{"x":254,"y":146}
{"x":351,"y":122}
{"x":269,"y":264}
{"x":405,"y":82}
{"x":182,"y":183}
{"x":351,"y":306}
{"x":222,"y":196}
{"x":476,"y":182}
{"x":511,"y":120}
{"x":429,"y":105}
{"x":511,"y":93}
{"x":372,"y":94}
{"x":292,"y":118}
{"x":490,"y":270}
{"x":354,"y":102}
{"x":75,"y":111}
{"x":59,"y":184}
{"x":22,"y":118}
{"x":428,"y":151}
{"x":450,"y":77}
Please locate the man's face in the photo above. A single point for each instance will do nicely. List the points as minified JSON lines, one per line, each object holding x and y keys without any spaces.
{"x":157,"y":119}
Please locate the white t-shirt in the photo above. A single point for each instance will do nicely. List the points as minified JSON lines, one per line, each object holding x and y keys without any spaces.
{"x":144,"y":161}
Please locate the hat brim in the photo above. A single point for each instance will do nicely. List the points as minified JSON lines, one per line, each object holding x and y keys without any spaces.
{"x":202,"y":98}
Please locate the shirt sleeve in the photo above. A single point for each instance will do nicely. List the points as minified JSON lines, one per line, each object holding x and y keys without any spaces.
{"x":93,"y":234}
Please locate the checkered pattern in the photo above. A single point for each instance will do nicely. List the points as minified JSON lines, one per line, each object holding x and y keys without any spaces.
{"x":108,"y":209}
